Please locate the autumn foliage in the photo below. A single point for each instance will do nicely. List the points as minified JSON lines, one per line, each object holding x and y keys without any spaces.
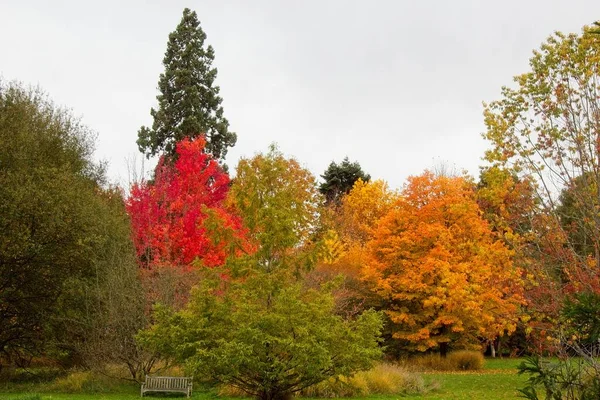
{"x":181,"y":217}
{"x":445,"y":276}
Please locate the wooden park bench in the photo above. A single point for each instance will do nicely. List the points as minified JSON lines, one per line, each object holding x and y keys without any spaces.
{"x":167,"y":384}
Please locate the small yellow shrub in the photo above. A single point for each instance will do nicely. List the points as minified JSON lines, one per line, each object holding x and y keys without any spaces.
{"x":466,"y":360}
{"x":428,"y":362}
{"x":461,"y":360}
{"x":382,"y":379}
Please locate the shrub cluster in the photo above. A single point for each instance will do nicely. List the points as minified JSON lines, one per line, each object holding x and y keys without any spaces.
{"x":462,"y":360}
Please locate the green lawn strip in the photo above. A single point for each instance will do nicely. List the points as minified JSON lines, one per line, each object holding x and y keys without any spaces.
{"x":497,"y":381}
{"x":473,"y":386}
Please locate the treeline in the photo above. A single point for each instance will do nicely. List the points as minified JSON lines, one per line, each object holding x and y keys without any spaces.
{"x":271,"y":282}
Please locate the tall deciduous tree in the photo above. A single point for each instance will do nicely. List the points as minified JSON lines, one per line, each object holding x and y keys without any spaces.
{"x":181,"y":217}
{"x":189,"y":103}
{"x":339,"y":179}
{"x":445,"y":276}
{"x":547,"y":129}
{"x":278,"y":201}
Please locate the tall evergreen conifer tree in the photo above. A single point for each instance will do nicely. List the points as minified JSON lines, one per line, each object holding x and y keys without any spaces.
{"x":189,"y":103}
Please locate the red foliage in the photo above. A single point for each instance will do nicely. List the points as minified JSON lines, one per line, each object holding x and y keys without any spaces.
{"x":181,"y":217}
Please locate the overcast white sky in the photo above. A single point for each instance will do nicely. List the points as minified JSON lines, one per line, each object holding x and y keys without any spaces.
{"x":395,"y":85}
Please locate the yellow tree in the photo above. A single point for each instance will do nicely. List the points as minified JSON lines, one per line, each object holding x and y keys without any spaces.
{"x":278,"y":201}
{"x":349,"y":226}
{"x":446,"y":278}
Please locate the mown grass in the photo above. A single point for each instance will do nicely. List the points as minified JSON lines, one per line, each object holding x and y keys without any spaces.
{"x":497,"y":381}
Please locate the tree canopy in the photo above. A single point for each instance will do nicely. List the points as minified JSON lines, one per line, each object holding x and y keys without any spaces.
{"x":339,"y":179}
{"x":278,"y":201}
{"x":445,"y":276}
{"x":181,"y":217}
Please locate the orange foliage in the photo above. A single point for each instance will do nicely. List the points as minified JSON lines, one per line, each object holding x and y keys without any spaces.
{"x":444,"y":274}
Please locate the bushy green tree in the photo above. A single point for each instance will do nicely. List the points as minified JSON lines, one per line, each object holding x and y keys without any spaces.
{"x":266,"y":336}
{"x":64,"y":234}
{"x":339,"y":179}
{"x":189,"y":103}
{"x":47,"y":212}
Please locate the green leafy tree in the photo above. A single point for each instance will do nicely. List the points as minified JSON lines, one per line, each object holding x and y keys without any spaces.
{"x":189,"y":103}
{"x":339,"y":179}
{"x":278,"y":201}
{"x":68,"y":276}
{"x":52,"y":216}
{"x":265,"y":336}
{"x":100,"y":311}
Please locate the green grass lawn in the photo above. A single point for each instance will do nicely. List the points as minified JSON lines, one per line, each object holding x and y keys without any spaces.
{"x":498,"y":380}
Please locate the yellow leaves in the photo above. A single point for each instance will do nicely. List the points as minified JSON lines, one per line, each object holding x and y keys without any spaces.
{"x":366,"y":203}
{"x":332,"y":248}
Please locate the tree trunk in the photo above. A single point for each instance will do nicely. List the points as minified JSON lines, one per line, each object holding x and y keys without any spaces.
{"x":492,"y":349}
{"x":444,"y":349}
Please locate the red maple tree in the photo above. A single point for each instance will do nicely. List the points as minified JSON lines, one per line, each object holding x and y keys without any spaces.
{"x":181,"y":217}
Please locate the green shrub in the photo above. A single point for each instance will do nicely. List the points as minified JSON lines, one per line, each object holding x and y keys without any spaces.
{"x":568,"y":379}
{"x":74,"y":382}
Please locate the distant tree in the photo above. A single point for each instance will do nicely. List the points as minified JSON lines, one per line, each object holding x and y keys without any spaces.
{"x":189,"y":103}
{"x":339,"y":179}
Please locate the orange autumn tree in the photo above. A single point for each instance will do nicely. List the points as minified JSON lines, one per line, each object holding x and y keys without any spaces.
{"x":446,"y":278}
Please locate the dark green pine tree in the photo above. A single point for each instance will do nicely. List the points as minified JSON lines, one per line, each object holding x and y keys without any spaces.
{"x":339,"y":179}
{"x":189,"y":103}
